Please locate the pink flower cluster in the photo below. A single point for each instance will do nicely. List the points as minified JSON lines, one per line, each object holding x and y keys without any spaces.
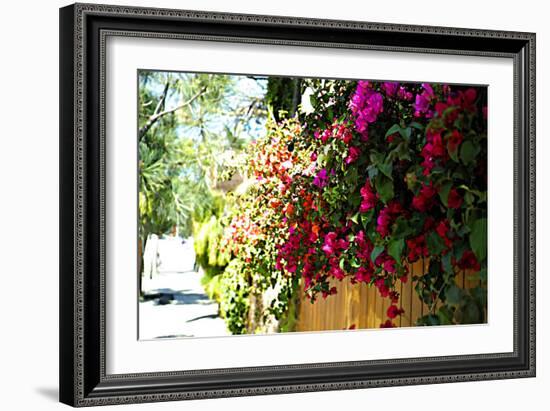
{"x":433,"y":150}
{"x":425,"y":199}
{"x":423,"y":101}
{"x":387,"y":216}
{"x":353,"y":155}
{"x":336,"y":130}
{"x":365,"y":105}
{"x":368,"y":197}
{"x":393,"y":89}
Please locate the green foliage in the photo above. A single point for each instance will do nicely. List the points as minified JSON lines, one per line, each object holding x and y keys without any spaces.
{"x":234,"y":292}
{"x":478,"y":238}
{"x":186,"y":121}
{"x":256,"y":229}
{"x":283,"y":95}
{"x":213,"y":287}
{"x":208,"y":251}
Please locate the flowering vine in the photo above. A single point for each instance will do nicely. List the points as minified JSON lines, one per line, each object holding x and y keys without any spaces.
{"x":398,"y":173}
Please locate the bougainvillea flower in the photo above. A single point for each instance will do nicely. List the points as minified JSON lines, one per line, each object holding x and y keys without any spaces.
{"x":417,"y":248}
{"x":353,"y":155}
{"x":343,"y":133}
{"x":443,"y":229}
{"x":387,"y":216}
{"x":387,"y":324}
{"x":365,"y":105}
{"x":393,"y":311}
{"x":404,"y":94}
{"x":364,"y":274}
{"x":455,"y":139}
{"x":432,"y":151}
{"x":368,"y":196}
{"x":321,"y":179}
{"x":469,"y":261}
{"x":424,"y":200}
{"x":383,"y":289}
{"x":389,"y":265}
{"x":390,"y":88}
{"x":454,"y":200}
{"x":423,"y":102}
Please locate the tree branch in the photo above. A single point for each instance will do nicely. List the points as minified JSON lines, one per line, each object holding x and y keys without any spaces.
{"x":157,"y":115}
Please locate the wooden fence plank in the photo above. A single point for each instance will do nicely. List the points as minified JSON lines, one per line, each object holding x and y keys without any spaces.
{"x":406,"y":302}
{"x":363,"y":306}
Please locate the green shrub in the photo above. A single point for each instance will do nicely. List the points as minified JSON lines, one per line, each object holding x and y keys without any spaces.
{"x":209,"y":253}
{"x":234,"y":299}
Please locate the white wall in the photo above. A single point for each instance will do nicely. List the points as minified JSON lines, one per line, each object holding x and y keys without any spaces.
{"x":29,"y":204}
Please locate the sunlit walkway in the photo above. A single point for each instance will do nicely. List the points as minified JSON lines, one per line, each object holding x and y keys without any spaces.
{"x":175,"y":303}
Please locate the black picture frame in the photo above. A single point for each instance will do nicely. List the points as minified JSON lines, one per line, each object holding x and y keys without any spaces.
{"x":83,"y":29}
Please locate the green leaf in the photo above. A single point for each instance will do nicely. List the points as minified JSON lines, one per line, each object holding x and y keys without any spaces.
{"x":355,"y":218}
{"x":395,"y":248}
{"x":429,"y":319}
{"x":453,"y":295}
{"x":366,"y":218}
{"x":384,"y":187}
{"x":402,"y":151}
{"x":444,"y":192}
{"x":376,"y":157}
{"x":435,"y":243}
{"x":342,"y":263}
{"x":445,"y":315}
{"x":376,"y":252}
{"x":452,"y":153}
{"x":416,"y":125}
{"x":386,"y":168}
{"x":478,"y":238}
{"x":471,"y":314}
{"x":402,"y":228}
{"x":468,"y":152}
{"x":372,"y":172}
{"x":447,"y":266}
{"x":483,"y":275}
{"x":393,"y":129}
{"x":479,"y":294}
{"x":406,"y":133}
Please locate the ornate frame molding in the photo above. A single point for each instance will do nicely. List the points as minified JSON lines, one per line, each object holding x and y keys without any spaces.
{"x":82,"y":314}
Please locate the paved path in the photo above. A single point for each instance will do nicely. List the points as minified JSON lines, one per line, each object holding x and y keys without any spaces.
{"x":176,"y":304}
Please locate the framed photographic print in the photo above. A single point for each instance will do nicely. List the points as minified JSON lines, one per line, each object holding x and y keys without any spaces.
{"x":260,"y":204}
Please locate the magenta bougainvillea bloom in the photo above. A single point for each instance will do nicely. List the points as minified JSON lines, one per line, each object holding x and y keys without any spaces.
{"x":454,"y":140}
{"x":454,"y":200}
{"x":423,"y":102}
{"x":404,"y":94}
{"x":386,"y":187}
{"x":393,"y":311}
{"x":353,"y":155}
{"x":417,"y":248}
{"x":390,"y":88}
{"x":387,"y":216}
{"x":321,"y":179}
{"x":365,"y":105}
{"x":424,"y":200}
{"x":368,"y":197}
{"x":333,"y":245}
{"x":343,"y":133}
{"x":469,"y":261}
{"x":432,"y":151}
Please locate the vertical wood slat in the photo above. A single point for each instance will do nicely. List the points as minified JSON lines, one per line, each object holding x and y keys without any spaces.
{"x":406,"y":301}
{"x":362,"y":305}
{"x":416,"y":304}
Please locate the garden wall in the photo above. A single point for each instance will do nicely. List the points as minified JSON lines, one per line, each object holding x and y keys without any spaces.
{"x":361,"y":306}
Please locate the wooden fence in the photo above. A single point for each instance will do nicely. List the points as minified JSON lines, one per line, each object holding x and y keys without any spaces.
{"x":362,"y":306}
